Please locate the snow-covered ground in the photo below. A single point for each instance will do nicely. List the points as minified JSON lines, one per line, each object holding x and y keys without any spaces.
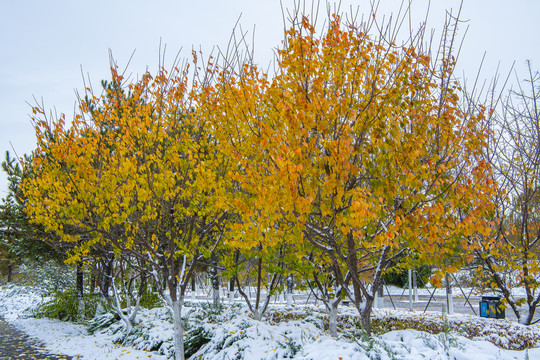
{"x":297,"y":333}
{"x":17,"y":306}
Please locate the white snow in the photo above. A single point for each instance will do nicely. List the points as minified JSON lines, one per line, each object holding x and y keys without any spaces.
{"x":72,"y":339}
{"x":288,"y":332}
{"x":17,"y":305}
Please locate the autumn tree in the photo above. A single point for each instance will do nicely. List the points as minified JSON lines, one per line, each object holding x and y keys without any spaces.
{"x":136,"y":171}
{"x":508,"y":257}
{"x":259,"y":244}
{"x":357,"y":146}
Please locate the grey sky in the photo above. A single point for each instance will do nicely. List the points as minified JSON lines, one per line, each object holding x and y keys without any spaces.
{"x":44,"y":44}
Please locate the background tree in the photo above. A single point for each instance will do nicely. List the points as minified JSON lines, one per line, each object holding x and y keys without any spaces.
{"x":508,"y":257}
{"x":19,"y":239}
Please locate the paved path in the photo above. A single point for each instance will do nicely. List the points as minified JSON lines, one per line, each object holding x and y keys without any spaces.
{"x":14,"y":344}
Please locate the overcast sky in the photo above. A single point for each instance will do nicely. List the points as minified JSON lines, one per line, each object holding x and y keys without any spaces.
{"x":44,"y":44}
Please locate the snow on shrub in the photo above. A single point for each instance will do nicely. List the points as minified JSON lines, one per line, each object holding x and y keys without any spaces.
{"x":20,"y":301}
{"x":503,"y":334}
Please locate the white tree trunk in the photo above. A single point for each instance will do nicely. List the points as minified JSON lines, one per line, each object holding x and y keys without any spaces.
{"x":257,"y":315}
{"x":332,"y":325}
{"x":449,"y":297}
{"x":178,"y":330}
{"x":290,"y":287}
{"x":118,"y":309}
{"x":215,"y":296}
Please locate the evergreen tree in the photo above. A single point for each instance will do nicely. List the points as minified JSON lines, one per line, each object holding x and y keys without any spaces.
{"x":19,"y":239}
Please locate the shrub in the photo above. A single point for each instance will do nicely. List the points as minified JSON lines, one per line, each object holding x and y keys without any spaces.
{"x":195,"y":339}
{"x":102,"y":321}
{"x":150,"y":299}
{"x":64,"y":305}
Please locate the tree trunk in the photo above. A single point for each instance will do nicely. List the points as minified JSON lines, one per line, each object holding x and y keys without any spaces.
{"x":231,"y":290}
{"x":410,"y":290}
{"x":290,"y":287}
{"x":332,"y":325}
{"x":527,"y":319}
{"x":174,"y":298}
{"x":257,"y":315}
{"x":193,"y":288}
{"x":215,"y":280}
{"x":449,"y":296}
{"x":178,"y":329}
{"x":93,"y":282}
{"x":259,"y":286}
{"x":116,"y":305}
{"x":9,"y":273}
{"x":106,"y":277}
{"x":80,"y":291}
{"x":380,"y":295}
{"x":365,"y":313}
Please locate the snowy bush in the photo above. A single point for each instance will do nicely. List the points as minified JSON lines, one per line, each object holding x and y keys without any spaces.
{"x":152,"y":330}
{"x":503,"y":334}
{"x":195,"y":338}
{"x":102,"y":322}
{"x":20,"y":301}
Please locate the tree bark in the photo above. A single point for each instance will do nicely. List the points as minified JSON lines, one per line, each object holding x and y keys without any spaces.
{"x":93,"y":282}
{"x":194,"y":289}
{"x":80,"y":291}
{"x":259,"y":287}
{"x":214,"y":279}
{"x":106,"y":277}
{"x":231,"y":290}
{"x":365,"y":313}
{"x":410,"y":290}
{"x":10,"y":273}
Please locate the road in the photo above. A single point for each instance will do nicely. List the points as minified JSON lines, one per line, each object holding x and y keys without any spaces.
{"x":438,"y":303}
{"x":399,"y":299}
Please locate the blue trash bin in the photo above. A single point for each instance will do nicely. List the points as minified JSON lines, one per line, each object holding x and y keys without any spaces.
{"x":491,"y":307}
